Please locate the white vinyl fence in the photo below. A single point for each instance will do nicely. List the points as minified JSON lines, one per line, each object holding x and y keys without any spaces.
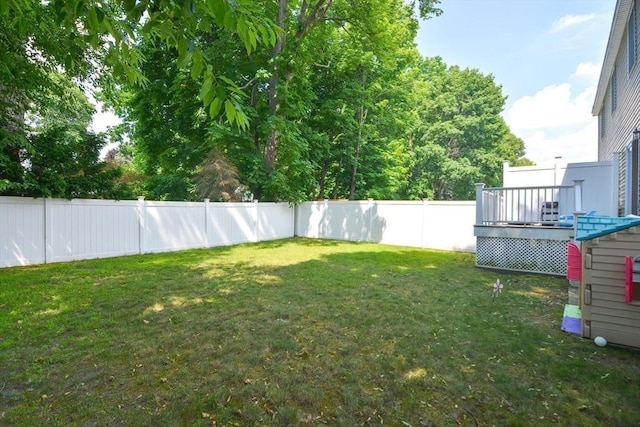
{"x":424,"y":224}
{"x":36,"y":231}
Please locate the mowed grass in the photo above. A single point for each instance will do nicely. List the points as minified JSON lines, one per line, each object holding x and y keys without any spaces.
{"x":300,"y":332}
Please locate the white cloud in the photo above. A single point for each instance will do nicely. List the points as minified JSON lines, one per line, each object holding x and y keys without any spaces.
{"x":588,"y":71}
{"x":567,"y":21}
{"x":574,"y":145}
{"x":551,"y":107}
{"x":555,"y":122}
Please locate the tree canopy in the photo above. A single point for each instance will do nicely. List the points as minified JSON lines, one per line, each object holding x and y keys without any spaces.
{"x":285,"y":99}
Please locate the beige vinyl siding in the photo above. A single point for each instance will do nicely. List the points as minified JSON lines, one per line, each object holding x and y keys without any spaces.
{"x":622,"y":184}
{"x":608,"y":315}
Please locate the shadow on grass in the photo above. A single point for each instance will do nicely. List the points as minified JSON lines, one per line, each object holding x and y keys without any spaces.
{"x":299,"y":332}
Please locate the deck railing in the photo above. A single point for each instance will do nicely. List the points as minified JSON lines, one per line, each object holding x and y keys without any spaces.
{"x":547,"y":205}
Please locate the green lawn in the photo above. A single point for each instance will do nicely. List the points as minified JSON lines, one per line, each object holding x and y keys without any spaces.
{"x":298,"y":332}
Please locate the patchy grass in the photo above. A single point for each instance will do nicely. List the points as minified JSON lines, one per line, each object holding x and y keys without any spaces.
{"x":298,"y":332}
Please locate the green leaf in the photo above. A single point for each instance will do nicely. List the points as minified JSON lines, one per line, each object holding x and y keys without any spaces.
{"x":227,"y":80}
{"x":183,"y":46}
{"x":241,"y":119}
{"x":214,"y":107}
{"x":129,"y":5}
{"x":93,"y":20}
{"x":218,"y":9}
{"x":205,"y":90}
{"x":229,"y":20}
{"x":265,"y":36}
{"x":78,"y":8}
{"x":230,"y":111}
{"x":184,"y":59}
{"x":253,"y":41}
{"x":197,"y":64}
{"x":100,"y":12}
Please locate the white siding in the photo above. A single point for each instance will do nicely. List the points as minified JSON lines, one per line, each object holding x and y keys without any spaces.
{"x":599,"y":186}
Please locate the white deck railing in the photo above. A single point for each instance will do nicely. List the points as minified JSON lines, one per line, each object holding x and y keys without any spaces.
{"x":547,"y":205}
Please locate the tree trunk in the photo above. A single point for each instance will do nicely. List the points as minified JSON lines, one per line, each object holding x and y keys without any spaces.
{"x":362,"y":117}
{"x":307,"y":19}
{"x":323,"y":177}
{"x":271,"y":145}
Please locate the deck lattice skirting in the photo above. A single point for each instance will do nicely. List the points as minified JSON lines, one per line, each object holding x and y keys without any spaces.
{"x":527,"y":249}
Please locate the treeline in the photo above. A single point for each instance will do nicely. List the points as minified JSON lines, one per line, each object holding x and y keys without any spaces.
{"x":286,"y":100}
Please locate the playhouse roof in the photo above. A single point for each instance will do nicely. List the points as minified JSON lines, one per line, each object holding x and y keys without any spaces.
{"x":591,"y":227}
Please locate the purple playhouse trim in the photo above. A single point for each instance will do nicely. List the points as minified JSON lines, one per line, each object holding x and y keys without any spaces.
{"x":572,"y":319}
{"x":571,"y":325}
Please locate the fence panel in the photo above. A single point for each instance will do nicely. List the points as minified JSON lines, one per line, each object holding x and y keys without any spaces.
{"x":34,"y":231}
{"x":401,"y":223}
{"x":173,"y":226}
{"x":83,"y":229}
{"x":275,"y":221}
{"x":231,"y":223}
{"x":309,"y":217}
{"x":449,"y":226}
{"x":21,"y":231}
{"x":436,"y":225}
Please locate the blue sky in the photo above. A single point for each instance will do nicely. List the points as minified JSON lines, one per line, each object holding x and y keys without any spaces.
{"x":546,"y":55}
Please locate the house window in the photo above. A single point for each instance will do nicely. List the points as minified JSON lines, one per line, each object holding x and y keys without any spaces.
{"x":614,"y":91}
{"x":632,"y":38}
{"x":601,"y":123}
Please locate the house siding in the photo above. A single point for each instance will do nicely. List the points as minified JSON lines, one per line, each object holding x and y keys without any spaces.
{"x":618,"y":121}
{"x":602,"y":301}
{"x":622,"y":184}
{"x":621,"y":121}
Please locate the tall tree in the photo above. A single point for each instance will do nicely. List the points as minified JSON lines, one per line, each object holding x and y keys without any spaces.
{"x":460,"y":137}
{"x":299,"y":19}
{"x":275,"y":154}
{"x":62,"y":159}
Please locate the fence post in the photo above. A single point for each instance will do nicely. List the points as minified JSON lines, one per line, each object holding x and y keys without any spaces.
{"x":479,"y":189}
{"x":206,"y":223}
{"x":142,"y":224}
{"x":370,"y":202}
{"x":425,"y":208}
{"x":48,"y":231}
{"x":257,"y":220}
{"x":322,"y":232}
{"x":577,"y":190}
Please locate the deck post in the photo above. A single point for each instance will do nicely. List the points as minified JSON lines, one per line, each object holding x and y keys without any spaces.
{"x":577,"y":186}
{"x":577,"y":211}
{"x":479,"y":189}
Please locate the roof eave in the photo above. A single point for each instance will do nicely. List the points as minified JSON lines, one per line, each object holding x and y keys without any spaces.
{"x":618,"y":24}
